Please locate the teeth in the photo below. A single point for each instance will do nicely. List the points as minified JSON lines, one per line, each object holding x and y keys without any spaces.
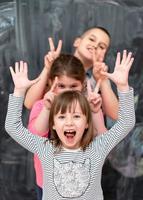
{"x":69,"y":132}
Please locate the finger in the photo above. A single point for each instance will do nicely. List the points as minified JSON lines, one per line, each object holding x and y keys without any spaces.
{"x":107,"y":74}
{"x":59,"y":47}
{"x":89,"y":89}
{"x":54,"y":85}
{"x":104,"y":67}
{"x":97,"y":87}
{"x":118,"y":58}
{"x":96,"y":102}
{"x":94,"y":60}
{"x":129,"y":56}
{"x":51,"y":44}
{"x":12,"y":71}
{"x":16,"y":67}
{"x":50,"y":57}
{"x":101,"y":57}
{"x":130,"y":64}
{"x":25,"y":68}
{"x":21,"y":67}
{"x":124,"y":57}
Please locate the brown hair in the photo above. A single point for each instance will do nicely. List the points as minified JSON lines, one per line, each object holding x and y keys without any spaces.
{"x":62,"y":103}
{"x":68,"y":65}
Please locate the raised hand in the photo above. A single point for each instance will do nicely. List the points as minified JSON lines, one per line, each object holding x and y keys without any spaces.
{"x":121,"y":70}
{"x":49,"y":96}
{"x":20,"y":77}
{"x":94,"y":98}
{"x":53,"y":53}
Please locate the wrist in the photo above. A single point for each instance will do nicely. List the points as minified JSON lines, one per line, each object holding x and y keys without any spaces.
{"x":45,"y":70}
{"x":19,"y":92}
{"x":123,"y":88}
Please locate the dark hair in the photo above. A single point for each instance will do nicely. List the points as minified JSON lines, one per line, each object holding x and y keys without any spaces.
{"x":104,"y":30}
{"x":69,"y":65}
{"x":62,"y":103}
{"x":97,"y":27}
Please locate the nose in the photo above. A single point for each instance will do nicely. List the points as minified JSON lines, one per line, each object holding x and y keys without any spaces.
{"x":69,"y":120}
{"x":95,"y":46}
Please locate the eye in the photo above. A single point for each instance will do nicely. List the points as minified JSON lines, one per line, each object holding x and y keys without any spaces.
{"x":73,"y":86}
{"x":91,"y":39}
{"x":77,"y":116}
{"x":61,"y":116}
{"x":102,"y":47}
{"x":61,"y":86}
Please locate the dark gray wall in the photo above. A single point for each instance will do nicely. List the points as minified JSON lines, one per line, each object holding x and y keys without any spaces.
{"x":24,"y":29}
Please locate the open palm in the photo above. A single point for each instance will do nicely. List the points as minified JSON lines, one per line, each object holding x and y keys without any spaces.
{"x":20,"y":76}
{"x":121,"y":70}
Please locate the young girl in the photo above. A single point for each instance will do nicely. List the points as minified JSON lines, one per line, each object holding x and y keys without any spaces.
{"x":66,"y":73}
{"x":72,"y":159}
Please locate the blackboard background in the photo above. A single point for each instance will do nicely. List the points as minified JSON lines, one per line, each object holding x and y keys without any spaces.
{"x":24,"y":29}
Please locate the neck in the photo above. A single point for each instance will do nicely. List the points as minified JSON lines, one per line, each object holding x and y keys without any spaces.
{"x":87,"y":64}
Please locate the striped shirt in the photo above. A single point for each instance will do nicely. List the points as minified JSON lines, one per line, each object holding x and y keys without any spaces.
{"x":66,"y":174}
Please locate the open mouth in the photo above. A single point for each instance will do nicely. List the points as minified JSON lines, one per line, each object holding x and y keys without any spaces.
{"x":69,"y":134}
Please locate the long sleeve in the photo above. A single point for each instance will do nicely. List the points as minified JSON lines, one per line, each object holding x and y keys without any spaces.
{"x":125,"y":123}
{"x":17,"y":131}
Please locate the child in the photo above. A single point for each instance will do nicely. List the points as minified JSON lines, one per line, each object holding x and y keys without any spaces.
{"x":91,"y":48}
{"x":66,"y":73}
{"x":72,"y":159}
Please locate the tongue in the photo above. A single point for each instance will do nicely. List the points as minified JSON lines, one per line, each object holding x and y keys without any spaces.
{"x":69,"y":135}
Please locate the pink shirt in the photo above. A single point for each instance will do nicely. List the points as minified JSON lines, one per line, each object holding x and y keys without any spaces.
{"x":36,"y":109}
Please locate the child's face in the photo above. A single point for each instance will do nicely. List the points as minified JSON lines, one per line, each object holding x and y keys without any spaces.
{"x":70,"y":126}
{"x":65,"y":83}
{"x":94,"y":39}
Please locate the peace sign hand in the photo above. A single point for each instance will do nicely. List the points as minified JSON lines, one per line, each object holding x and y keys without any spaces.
{"x":95,"y":100}
{"x":98,"y":67}
{"x":50,"y":95}
{"x":52,"y":54}
{"x":20,"y":77}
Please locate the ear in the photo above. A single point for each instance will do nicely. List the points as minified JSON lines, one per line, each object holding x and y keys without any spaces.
{"x":53,"y":127}
{"x":77,"y":42}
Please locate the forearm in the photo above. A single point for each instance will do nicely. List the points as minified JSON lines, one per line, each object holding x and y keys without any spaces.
{"x":110,"y":102}
{"x":98,"y":122}
{"x":36,"y":91}
{"x":124,"y":124}
{"x":41,"y":124}
{"x":14,"y":125}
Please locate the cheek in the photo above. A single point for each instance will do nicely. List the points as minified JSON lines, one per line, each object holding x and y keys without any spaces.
{"x":59,"y":91}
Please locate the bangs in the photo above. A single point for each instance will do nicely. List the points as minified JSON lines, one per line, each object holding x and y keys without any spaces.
{"x":68,"y":103}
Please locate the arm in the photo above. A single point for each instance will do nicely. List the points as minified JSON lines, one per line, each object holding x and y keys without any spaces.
{"x":14,"y":127}
{"x":37,"y":91}
{"x":126,"y":118}
{"x":95,"y":102}
{"x":110,"y":102}
{"x":39,"y":118}
{"x":36,"y":112}
{"x":122,"y":127}
{"x":13,"y":124}
{"x":98,"y":122}
{"x":109,"y":99}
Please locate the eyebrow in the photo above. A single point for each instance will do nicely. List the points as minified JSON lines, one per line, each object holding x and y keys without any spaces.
{"x":100,"y":42}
